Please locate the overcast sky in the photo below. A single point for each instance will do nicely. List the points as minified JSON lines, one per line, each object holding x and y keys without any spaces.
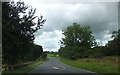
{"x":102,"y":17}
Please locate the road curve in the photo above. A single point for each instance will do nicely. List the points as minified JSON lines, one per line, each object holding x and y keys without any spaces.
{"x":53,"y":65}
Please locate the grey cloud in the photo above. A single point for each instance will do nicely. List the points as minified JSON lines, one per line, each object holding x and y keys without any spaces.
{"x":101,"y":17}
{"x":49,"y":40}
{"x":51,"y":44}
{"x":97,"y":15}
{"x":39,"y":32}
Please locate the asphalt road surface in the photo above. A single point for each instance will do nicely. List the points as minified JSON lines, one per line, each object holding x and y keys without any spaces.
{"x":53,"y":65}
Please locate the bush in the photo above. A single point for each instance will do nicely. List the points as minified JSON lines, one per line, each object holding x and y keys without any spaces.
{"x":44,"y":55}
{"x":73,"y":52}
{"x":95,"y":53}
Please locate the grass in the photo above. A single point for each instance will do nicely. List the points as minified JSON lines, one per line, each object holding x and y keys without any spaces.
{"x":24,"y":69}
{"x":99,"y":65}
{"x":52,"y":55}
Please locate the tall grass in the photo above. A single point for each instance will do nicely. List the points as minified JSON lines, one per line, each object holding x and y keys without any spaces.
{"x":99,"y":65}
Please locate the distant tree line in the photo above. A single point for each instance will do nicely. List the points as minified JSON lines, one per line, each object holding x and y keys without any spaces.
{"x":19,"y":25}
{"x":78,"y":42}
{"x":54,"y":54}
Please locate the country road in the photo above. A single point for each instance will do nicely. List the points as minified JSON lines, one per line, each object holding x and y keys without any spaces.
{"x":53,"y":65}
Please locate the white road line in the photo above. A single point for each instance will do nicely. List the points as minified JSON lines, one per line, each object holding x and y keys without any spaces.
{"x":56,"y":68}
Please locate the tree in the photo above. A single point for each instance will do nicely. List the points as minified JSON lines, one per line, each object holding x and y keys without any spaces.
{"x":77,"y":35}
{"x":44,"y":55}
{"x":19,"y":27}
{"x":113,"y":46}
{"x":76,"y":40}
{"x":37,"y":51}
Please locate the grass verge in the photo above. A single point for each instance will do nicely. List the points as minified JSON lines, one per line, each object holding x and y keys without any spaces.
{"x":24,"y":69}
{"x":99,"y":65}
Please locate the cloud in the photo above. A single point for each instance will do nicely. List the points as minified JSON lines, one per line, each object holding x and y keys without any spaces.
{"x":102,"y":17}
{"x":49,"y":40}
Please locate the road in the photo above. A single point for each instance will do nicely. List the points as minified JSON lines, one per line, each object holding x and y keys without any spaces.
{"x":53,"y":65}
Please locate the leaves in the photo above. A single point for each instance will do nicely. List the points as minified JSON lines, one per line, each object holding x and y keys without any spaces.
{"x":113,"y":46}
{"x":77,"y":35}
{"x":76,"y":40}
{"x":19,"y":26}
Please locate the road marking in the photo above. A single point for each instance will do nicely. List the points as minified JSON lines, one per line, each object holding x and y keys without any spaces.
{"x":56,"y":68}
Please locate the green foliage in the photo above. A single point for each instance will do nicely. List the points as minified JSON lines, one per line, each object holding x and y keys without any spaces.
{"x":18,"y":29}
{"x":52,"y":54}
{"x":24,"y":69}
{"x":81,"y":52}
{"x":113,"y":46}
{"x":35,"y":52}
{"x":77,"y":35}
{"x":96,"y":52}
{"x":44,"y":55}
{"x":76,"y":42}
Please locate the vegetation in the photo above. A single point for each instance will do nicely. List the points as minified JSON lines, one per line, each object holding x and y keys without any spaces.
{"x":52,"y":54}
{"x":44,"y":55}
{"x":77,"y":35}
{"x":77,"y":40}
{"x":79,"y":49}
{"x":107,"y":64}
{"x":25,"y":69}
{"x":19,"y":27}
{"x":79,"y":43}
{"x":35,"y":52}
{"x":113,"y":46}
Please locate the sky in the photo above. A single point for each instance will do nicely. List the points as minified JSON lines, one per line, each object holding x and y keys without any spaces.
{"x":102,"y":17}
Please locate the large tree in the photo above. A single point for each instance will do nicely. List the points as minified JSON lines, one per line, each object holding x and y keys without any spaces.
{"x":19,"y":27}
{"x":76,"y":40}
{"x":78,"y":35}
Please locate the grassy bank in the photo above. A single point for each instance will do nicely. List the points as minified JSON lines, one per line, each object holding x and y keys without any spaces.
{"x":24,"y":69}
{"x":99,"y":65}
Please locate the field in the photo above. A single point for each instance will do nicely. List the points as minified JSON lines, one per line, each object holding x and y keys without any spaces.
{"x":52,"y":55}
{"x":99,"y":65}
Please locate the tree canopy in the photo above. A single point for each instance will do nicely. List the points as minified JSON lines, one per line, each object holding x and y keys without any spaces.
{"x":113,"y":46}
{"x":19,"y":27}
{"x":76,"y":40}
{"x":78,"y":35}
